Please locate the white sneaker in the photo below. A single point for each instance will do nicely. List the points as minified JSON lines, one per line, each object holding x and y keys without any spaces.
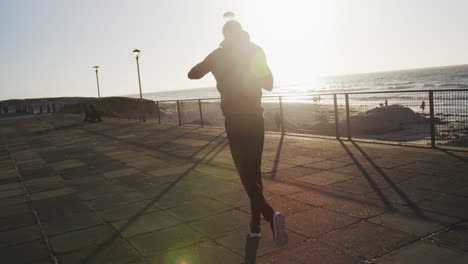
{"x":251,"y":234}
{"x":279,"y":230}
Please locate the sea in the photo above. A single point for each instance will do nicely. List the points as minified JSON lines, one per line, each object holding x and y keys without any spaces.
{"x":436,"y":78}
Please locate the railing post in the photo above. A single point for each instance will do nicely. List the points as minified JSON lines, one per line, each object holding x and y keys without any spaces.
{"x":432,"y":119}
{"x":281,"y":115}
{"x":348,"y":120}
{"x":178,"y":112}
{"x":159,"y":114}
{"x":201,"y":113}
{"x":336,"y":117}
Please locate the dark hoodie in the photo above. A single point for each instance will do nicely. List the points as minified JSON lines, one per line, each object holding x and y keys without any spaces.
{"x":240,"y":69}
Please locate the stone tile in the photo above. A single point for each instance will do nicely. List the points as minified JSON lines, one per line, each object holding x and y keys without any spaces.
{"x":221,"y":224}
{"x":44,"y":184}
{"x":327,"y":164}
{"x":126,"y":211}
{"x":144,"y":223}
{"x":355,"y":185}
{"x":451,"y":205}
{"x":235,"y":199}
{"x":455,"y":237}
{"x":310,"y":252}
{"x":171,"y":238}
{"x":169,"y":171}
{"x":288,"y":173}
{"x":36,"y":251}
{"x":403,"y":194}
{"x":11,"y":193}
{"x":205,"y":252}
{"x":120,"y":173}
{"x":17,"y":221}
{"x":14,"y":210}
{"x":67,"y":164}
{"x":285,"y":187}
{"x":317,"y":221}
{"x":115,"y":252}
{"x":324,"y":178}
{"x":414,"y":221}
{"x":424,"y":252}
{"x":243,"y":245}
{"x":20,"y":235}
{"x":79,"y":239}
{"x":197,"y":209}
{"x":14,"y":200}
{"x":366,"y":240}
{"x":51,"y":193}
{"x":60,"y":224}
{"x":174,"y":196}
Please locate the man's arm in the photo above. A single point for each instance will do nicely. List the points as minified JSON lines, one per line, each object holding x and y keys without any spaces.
{"x":200,"y":70}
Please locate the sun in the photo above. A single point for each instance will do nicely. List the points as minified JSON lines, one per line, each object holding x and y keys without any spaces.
{"x":294,"y":35}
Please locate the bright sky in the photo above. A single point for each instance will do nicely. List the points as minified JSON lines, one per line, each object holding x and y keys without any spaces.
{"x":48,"y":47}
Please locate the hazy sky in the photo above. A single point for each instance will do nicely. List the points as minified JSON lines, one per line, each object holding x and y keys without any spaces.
{"x":48,"y":47}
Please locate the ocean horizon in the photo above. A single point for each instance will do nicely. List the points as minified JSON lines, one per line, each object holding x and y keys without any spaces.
{"x":444,"y":77}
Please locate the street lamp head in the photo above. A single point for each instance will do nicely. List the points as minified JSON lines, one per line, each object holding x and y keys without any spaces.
{"x":96,"y":68}
{"x":136,"y":53}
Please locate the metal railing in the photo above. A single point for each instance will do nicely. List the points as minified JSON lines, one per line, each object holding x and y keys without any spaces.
{"x":423,"y":117}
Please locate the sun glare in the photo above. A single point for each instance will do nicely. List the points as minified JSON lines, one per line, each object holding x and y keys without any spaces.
{"x":294,"y":35}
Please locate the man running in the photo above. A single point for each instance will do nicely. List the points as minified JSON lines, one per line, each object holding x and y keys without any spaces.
{"x":240,"y":69}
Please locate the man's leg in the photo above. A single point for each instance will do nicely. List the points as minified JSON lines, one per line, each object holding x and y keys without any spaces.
{"x":246,"y":134}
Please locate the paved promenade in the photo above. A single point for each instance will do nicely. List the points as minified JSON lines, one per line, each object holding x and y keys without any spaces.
{"x":127,"y":192}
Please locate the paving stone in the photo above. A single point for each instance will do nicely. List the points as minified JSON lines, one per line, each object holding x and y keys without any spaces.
{"x":60,"y":224}
{"x":324,"y":178}
{"x":317,"y":221}
{"x":327,"y":164}
{"x":197,"y":209}
{"x":235,"y":199}
{"x":171,"y":238}
{"x":11,"y":193}
{"x":455,"y":237}
{"x":36,"y":251}
{"x":44,"y":184}
{"x":289,"y":173}
{"x":16,"y":221}
{"x":127,"y":211}
{"x":366,"y":240}
{"x":20,"y":235}
{"x":144,"y":223}
{"x":79,"y":239}
{"x":451,"y":205}
{"x":115,"y":252}
{"x":14,"y":210}
{"x":205,"y":252}
{"x":51,"y":193}
{"x":67,"y":164}
{"x":174,"y":196}
{"x":220,"y":224}
{"x":424,"y":252}
{"x":310,"y":252}
{"x":414,"y":221}
{"x":120,"y":173}
{"x":403,"y":194}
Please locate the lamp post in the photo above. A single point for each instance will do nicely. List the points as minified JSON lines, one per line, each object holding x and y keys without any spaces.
{"x":97,"y":81}
{"x":136,"y":53}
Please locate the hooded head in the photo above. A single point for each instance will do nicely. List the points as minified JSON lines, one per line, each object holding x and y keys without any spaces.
{"x":232,"y":29}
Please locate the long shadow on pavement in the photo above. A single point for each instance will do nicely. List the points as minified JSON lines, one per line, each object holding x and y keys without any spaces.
{"x":400,"y":192}
{"x":116,"y":235}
